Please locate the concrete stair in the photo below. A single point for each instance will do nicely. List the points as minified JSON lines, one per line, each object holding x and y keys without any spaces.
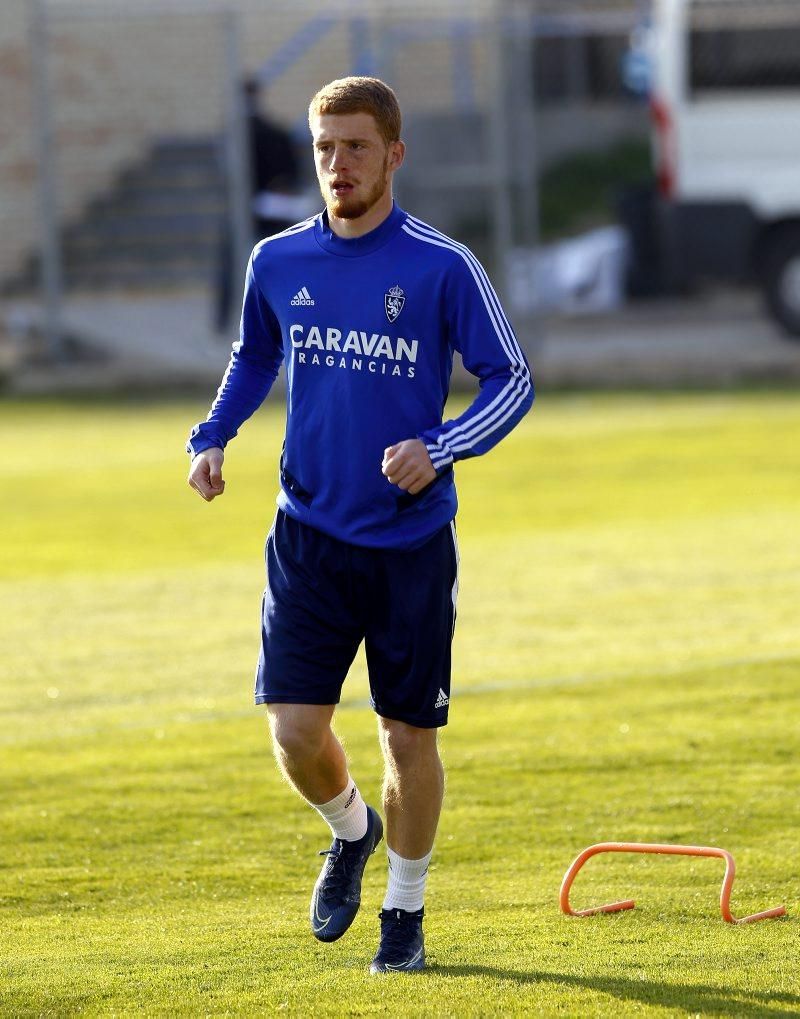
{"x":158,"y":227}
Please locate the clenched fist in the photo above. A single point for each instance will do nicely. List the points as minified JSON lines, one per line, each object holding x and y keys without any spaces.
{"x":408,"y":466}
{"x":205,"y":474}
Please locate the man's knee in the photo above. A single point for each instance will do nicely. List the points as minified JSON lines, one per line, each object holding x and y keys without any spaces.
{"x":406,"y":746}
{"x":299,"y":731}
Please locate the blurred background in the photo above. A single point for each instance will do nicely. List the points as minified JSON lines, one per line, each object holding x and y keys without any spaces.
{"x":626,"y":169}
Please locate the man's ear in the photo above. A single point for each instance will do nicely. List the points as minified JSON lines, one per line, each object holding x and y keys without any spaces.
{"x":397,"y":153}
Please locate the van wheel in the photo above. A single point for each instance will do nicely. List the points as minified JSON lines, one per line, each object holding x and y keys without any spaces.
{"x":780,"y":279}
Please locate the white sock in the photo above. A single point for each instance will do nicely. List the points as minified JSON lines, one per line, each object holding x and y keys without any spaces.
{"x":346,"y":813}
{"x":407,"y":878}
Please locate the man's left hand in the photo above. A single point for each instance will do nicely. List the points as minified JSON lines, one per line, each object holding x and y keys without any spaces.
{"x":408,"y":466}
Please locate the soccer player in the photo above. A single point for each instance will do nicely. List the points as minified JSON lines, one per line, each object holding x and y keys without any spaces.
{"x":365,"y":304}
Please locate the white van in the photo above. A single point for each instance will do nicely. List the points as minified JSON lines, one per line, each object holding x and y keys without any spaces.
{"x":725,"y":93}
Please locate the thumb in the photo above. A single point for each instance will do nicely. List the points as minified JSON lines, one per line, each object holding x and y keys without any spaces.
{"x":389,"y":452}
{"x":215,"y":475}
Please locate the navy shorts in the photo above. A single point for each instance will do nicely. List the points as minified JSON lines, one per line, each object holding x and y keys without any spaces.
{"x":324,"y":596}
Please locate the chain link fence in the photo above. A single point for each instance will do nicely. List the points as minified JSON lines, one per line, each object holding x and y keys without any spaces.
{"x":141,"y":136}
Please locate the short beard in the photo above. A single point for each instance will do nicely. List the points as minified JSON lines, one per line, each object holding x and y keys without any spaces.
{"x":340,"y":208}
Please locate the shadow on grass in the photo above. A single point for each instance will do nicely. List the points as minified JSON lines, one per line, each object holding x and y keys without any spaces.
{"x":693,"y":997}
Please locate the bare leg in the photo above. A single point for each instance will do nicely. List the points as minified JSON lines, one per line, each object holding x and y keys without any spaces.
{"x":413,"y":787}
{"x":309,"y":755}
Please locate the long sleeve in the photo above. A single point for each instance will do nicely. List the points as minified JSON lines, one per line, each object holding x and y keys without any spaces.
{"x":253,"y":367}
{"x":480,"y":331}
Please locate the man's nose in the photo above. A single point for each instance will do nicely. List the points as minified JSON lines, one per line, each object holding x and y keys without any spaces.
{"x":338,"y":159}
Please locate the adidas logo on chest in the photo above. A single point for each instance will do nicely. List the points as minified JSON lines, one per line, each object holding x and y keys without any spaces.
{"x":302,"y":297}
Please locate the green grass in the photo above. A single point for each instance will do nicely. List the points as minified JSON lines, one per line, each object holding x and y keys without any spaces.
{"x":627,"y":667}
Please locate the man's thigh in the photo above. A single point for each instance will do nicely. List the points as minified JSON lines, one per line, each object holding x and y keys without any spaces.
{"x":310,"y":623}
{"x":411,"y":613}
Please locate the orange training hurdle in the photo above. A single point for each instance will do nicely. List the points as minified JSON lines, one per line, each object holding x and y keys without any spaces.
{"x":654,"y":847}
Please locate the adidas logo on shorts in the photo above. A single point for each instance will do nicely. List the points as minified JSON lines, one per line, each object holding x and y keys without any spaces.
{"x":302,"y":297}
{"x":442,"y":700}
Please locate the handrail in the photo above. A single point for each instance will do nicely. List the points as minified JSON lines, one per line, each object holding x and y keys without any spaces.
{"x":655,"y":847}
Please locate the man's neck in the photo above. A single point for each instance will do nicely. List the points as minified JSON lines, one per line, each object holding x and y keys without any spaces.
{"x":371,"y":220}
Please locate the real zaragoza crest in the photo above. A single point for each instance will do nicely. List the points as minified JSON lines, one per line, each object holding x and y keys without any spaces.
{"x":393,"y":302}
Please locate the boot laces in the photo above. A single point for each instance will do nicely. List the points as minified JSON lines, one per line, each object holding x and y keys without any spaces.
{"x":397,"y":928}
{"x":338,"y":873}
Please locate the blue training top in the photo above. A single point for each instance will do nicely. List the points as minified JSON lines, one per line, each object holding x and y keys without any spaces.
{"x":367,"y":327}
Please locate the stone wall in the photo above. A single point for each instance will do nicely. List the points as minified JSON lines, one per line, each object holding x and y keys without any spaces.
{"x":17,"y":156}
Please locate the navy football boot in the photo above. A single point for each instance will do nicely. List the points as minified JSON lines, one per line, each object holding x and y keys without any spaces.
{"x":402,"y":947}
{"x":337,"y":893}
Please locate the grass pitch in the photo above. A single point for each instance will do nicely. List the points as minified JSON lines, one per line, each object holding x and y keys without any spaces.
{"x":627,"y":667}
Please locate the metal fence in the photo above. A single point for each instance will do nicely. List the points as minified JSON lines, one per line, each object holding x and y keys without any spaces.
{"x":139,"y":105}
{"x":139,"y":145}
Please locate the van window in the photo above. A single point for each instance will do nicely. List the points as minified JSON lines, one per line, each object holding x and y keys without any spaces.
{"x":745,"y":46}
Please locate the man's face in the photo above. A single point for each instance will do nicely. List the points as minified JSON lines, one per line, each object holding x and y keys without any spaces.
{"x":354,"y":164}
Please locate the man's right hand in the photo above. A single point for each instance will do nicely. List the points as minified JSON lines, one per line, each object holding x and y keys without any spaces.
{"x":205,"y":474}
